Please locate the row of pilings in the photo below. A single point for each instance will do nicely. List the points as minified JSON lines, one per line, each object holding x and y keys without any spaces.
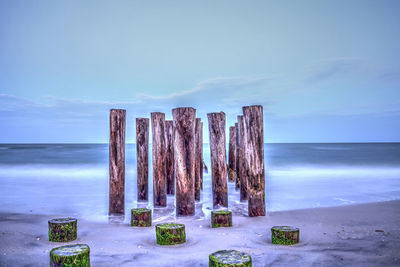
{"x":177,"y":157}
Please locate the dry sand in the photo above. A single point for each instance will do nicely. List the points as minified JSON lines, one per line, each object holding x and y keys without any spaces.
{"x":358,"y":235}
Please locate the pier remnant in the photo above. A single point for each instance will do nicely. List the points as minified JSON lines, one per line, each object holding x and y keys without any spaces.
{"x":221,"y":218}
{"x":229,"y":258}
{"x":63,"y":229}
{"x":142,"y":155}
{"x":70,"y":255}
{"x":242,"y":162}
{"x":232,"y":154}
{"x":159,"y":159}
{"x":216,"y":127}
{"x":285,"y":235}
{"x":199,"y":158}
{"x":169,"y":141}
{"x":141,"y":217}
{"x":117,"y":161}
{"x":184,"y":154}
{"x":254,"y":145}
{"x":170,"y":233}
{"x":237,"y":145}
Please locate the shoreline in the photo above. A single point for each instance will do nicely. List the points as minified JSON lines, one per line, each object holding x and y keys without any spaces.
{"x":350,"y":235}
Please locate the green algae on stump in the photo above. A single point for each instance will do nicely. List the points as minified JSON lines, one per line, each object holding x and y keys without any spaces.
{"x":62,"y":229}
{"x":221,"y":218}
{"x":170,"y":233}
{"x":70,"y":256}
{"x":285,"y":235}
{"x":141,"y":217}
{"x":229,"y":258}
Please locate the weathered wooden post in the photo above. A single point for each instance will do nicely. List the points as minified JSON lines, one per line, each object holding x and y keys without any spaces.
{"x":242,"y":162}
{"x":232,"y":154}
{"x":142,"y":155}
{"x":184,"y":153}
{"x":237,"y":145}
{"x":116,"y":203}
{"x":216,"y":127}
{"x":254,"y":142}
{"x":169,"y":140}
{"x":199,"y":158}
{"x":159,"y":159}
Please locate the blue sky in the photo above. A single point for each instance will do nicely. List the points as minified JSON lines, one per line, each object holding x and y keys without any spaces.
{"x":325,"y":71}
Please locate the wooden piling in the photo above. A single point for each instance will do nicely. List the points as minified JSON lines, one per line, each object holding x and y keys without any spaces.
{"x":199,"y":158}
{"x":232,"y":154}
{"x":142,"y":155}
{"x":237,"y":146}
{"x":184,"y":153}
{"x":169,"y":140}
{"x":254,"y":142}
{"x":216,"y":127}
{"x":242,"y":162}
{"x":159,"y":159}
{"x":117,"y":161}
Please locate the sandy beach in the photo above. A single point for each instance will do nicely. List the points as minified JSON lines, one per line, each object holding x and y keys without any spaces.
{"x":354,"y":235}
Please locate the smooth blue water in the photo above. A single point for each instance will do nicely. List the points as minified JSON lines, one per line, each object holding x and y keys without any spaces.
{"x":72,"y":179}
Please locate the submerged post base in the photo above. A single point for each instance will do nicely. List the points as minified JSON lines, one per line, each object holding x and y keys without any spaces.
{"x":221,"y":218}
{"x":170,"y":233}
{"x":141,"y":217}
{"x":229,"y":258}
{"x":71,"y":256}
{"x":285,"y":235}
{"x":63,"y":229}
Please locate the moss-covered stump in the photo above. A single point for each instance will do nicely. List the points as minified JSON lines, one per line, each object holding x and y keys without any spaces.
{"x":62,"y":229}
{"x":221,"y":218}
{"x":141,"y":217}
{"x":71,"y":255}
{"x":229,"y":258}
{"x":170,"y":233}
{"x":285,"y":235}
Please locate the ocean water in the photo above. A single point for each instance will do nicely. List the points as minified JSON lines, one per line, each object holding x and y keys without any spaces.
{"x":72,"y":179}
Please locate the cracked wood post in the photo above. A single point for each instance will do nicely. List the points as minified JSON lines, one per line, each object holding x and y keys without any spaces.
{"x":142,"y":155}
{"x":199,"y":158}
{"x":232,"y":154}
{"x":254,"y":143}
{"x":237,"y":146}
{"x":159,"y":159}
{"x":242,"y":161}
{"x":116,"y":204}
{"x":216,"y":127}
{"x":184,"y":153}
{"x":169,"y":140}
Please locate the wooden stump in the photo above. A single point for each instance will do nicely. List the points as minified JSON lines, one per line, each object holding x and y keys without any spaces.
{"x":232,"y":154}
{"x":159,"y":159}
{"x":237,"y":146}
{"x":216,"y":127}
{"x":142,"y":152}
{"x":199,"y":158}
{"x":244,"y":195}
{"x":221,"y":218}
{"x":170,"y":233}
{"x":169,"y":141}
{"x":141,"y":217}
{"x":229,"y":258}
{"x":254,"y":145}
{"x":184,"y":153}
{"x":117,"y":161}
{"x":63,"y":229}
{"x":285,"y":235}
{"x":70,"y":256}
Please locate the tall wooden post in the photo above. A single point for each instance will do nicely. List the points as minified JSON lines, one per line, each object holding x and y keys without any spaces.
{"x":242,"y":161}
{"x":159,"y":159}
{"x":216,"y":127}
{"x":169,"y":140}
{"x":117,"y":161}
{"x":199,"y":158}
{"x":237,"y":146}
{"x":142,"y":157}
{"x":232,"y":154}
{"x":254,"y":142}
{"x":184,"y":153}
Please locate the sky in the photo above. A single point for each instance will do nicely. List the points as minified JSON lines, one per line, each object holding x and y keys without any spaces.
{"x":324,"y":71}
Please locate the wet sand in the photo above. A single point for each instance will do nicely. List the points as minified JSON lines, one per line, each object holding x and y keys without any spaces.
{"x":356,"y":235}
